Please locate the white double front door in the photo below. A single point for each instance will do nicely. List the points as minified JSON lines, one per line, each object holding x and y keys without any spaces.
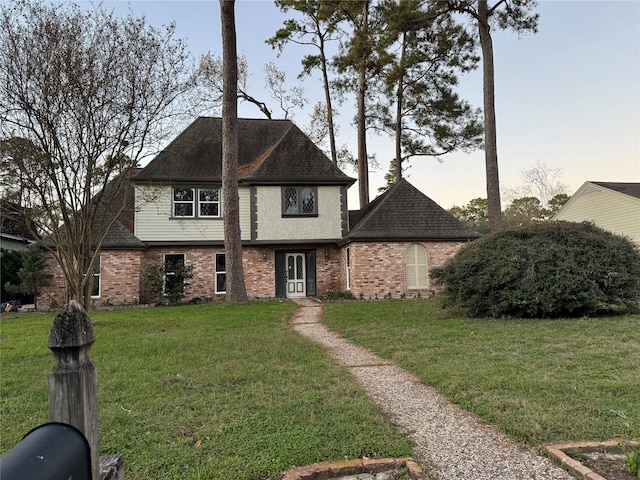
{"x":296,"y":275}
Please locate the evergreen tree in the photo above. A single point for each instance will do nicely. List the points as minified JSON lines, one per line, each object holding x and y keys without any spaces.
{"x":515,"y":14}
{"x":32,"y":274}
{"x":418,"y":104}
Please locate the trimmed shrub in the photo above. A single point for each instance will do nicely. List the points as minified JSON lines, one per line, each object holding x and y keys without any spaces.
{"x":544,"y":270}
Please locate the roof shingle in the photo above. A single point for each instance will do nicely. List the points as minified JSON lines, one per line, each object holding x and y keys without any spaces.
{"x":628,"y":188}
{"x":269,"y":151}
{"x":404,"y":213}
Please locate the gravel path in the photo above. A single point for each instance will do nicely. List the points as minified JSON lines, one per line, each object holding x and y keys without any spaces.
{"x":452,"y":443}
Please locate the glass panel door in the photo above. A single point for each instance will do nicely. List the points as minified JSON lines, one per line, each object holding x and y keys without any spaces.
{"x":296,"y":278}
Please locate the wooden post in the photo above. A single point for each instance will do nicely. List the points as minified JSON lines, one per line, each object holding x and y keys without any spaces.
{"x":73,"y":382}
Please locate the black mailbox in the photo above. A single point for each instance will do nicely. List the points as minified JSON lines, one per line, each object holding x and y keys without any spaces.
{"x":53,"y":451}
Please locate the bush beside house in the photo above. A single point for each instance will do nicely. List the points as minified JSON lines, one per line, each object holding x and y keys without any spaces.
{"x":552,"y":269}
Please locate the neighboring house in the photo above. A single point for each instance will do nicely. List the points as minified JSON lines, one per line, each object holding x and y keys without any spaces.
{"x":16,"y":230}
{"x":298,"y":236}
{"x":614,"y":206}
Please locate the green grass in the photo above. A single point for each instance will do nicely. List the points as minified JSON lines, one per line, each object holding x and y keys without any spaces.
{"x":539,"y":381}
{"x":207,"y":391}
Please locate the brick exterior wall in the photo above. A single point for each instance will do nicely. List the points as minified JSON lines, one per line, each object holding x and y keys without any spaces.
{"x":379,"y":269}
{"x":330,"y":270}
{"x":55,"y":294}
{"x":119,"y":280}
{"x":120,"y":274}
{"x":258,"y":264}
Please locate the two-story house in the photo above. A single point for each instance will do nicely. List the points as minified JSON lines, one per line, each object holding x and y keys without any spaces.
{"x":298,"y":236}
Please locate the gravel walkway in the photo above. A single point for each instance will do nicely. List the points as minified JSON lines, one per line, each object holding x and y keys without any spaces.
{"x":452,"y":443}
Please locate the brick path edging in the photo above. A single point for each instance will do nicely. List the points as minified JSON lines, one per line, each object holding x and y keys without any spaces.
{"x":581,"y":471}
{"x":328,"y":470}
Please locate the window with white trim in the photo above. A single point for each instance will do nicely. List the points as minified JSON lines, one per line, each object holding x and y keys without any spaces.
{"x":95,"y":269}
{"x":183,"y":199}
{"x":188,"y":202}
{"x":221,"y":273}
{"x":209,"y":202}
{"x":417,"y":276}
{"x":299,"y":201}
{"x":348,"y":265}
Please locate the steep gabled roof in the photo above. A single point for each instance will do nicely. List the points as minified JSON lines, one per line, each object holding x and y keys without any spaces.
{"x":119,"y":236}
{"x":120,"y":233}
{"x":628,"y":188}
{"x":404,"y":213}
{"x":269,"y":151}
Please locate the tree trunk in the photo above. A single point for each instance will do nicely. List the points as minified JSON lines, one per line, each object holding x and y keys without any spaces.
{"x":327,"y":95}
{"x":236,"y":291}
{"x":363,"y":161}
{"x":399,"y":103}
{"x":490,"y":137}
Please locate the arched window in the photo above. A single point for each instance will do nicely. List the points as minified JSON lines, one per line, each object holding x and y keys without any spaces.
{"x":417,"y":276}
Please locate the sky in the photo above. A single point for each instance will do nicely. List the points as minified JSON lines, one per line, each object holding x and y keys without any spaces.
{"x":567,"y":97}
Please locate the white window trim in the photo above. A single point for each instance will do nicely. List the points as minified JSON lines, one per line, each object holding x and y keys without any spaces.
{"x":348,"y":267}
{"x":175,"y":202}
{"x":195,"y":203}
{"x":218,"y":272}
{"x":207,"y":202}
{"x":97,"y":276}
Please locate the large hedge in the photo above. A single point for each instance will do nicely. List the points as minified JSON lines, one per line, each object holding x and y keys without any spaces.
{"x":545,"y":270}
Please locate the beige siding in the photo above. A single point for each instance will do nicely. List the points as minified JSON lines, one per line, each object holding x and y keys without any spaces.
{"x":153,"y":220}
{"x":608,"y":209}
{"x":272,"y":226}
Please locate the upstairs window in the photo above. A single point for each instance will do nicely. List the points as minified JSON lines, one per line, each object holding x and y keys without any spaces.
{"x":299,"y":201}
{"x":196,"y":202}
{"x":183,"y":202}
{"x":209,"y":202}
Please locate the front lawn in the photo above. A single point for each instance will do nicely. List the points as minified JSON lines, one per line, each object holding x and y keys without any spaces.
{"x":205,"y":391}
{"x":540,"y":381}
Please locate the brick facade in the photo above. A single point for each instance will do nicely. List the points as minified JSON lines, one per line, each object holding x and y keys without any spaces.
{"x":379,"y":269}
{"x":119,"y":280}
{"x":120,"y":276}
{"x":54,"y":294}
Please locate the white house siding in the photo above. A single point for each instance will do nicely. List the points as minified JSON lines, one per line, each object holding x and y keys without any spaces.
{"x":153,"y":220}
{"x":11,"y":242}
{"x":271,"y":226}
{"x":611,"y":210}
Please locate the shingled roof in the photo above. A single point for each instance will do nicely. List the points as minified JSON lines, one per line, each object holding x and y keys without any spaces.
{"x":119,"y":235}
{"x":631,"y":189}
{"x":15,"y":221}
{"x":404,"y":213}
{"x":269,"y":152}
